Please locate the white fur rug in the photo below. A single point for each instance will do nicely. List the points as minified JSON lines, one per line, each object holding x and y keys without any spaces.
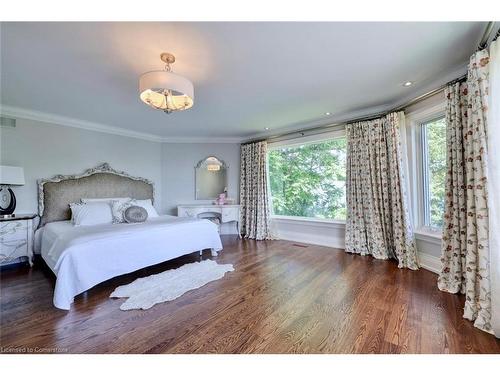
{"x":146,"y":292}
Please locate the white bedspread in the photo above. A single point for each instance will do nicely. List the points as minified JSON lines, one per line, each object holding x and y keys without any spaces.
{"x":84,"y":256}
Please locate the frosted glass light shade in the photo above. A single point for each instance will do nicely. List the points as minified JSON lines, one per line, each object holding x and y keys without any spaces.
{"x":11,"y":175}
{"x":167,"y":91}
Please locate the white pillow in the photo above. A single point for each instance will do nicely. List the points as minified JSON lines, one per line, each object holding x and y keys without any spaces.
{"x":118,"y":208}
{"x":106,"y":200}
{"x":92,"y":213}
{"x":147,"y":205}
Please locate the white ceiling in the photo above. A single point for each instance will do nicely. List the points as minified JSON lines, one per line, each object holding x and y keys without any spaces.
{"x":247,"y":76}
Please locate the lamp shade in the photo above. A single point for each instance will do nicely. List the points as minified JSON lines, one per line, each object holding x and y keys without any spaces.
{"x":166,"y":91}
{"x":11,"y":175}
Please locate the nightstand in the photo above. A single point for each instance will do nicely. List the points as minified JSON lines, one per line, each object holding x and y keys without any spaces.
{"x":16,"y":238}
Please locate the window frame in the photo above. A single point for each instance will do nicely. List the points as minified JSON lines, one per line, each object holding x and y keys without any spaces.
{"x":418,"y":178}
{"x":296,"y":142}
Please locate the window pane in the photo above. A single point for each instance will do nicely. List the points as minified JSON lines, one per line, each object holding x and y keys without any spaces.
{"x":309,"y":180}
{"x":436,"y":157}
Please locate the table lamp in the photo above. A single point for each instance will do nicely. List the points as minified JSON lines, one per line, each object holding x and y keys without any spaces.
{"x":9,"y":176}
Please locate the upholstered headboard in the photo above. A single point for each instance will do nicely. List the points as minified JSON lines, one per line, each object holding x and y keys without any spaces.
{"x":56,"y":193}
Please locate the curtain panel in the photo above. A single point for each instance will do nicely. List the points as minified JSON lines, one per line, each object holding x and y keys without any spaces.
{"x":378,"y":221}
{"x":254,"y":199}
{"x":465,"y":246}
{"x":494,"y":183}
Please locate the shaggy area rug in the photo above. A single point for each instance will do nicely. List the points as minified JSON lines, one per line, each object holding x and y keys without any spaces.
{"x":146,"y":292}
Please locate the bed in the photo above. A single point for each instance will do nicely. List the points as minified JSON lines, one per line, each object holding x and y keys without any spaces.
{"x":84,"y":256}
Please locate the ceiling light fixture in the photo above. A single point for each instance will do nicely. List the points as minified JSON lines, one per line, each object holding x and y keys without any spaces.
{"x":407,"y":83}
{"x":165,"y":90}
{"x":266,"y":128}
{"x":327,"y":113}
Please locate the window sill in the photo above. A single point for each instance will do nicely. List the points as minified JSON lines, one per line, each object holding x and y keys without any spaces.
{"x":428,"y":235}
{"x":309,"y":221}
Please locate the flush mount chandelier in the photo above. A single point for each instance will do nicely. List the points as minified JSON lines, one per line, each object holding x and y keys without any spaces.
{"x":165,"y":90}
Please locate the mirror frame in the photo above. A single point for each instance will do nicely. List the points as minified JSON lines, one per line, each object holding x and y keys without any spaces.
{"x":199,"y":165}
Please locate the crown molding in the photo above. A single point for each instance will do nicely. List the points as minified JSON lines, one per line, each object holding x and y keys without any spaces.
{"x":27,"y":114}
{"x":305,"y":126}
{"x":342,"y":117}
{"x":432,"y":84}
{"x":237,"y":140}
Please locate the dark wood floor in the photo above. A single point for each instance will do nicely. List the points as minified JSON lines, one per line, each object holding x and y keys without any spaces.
{"x":282,"y":298}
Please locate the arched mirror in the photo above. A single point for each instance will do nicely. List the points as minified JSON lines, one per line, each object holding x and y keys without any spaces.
{"x":210,"y":178}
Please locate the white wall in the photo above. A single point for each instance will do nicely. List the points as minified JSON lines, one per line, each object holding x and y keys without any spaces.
{"x":44,"y":150}
{"x":179,"y":160}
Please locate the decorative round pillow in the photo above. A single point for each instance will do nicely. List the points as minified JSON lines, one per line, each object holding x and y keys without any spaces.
{"x":135,"y":214}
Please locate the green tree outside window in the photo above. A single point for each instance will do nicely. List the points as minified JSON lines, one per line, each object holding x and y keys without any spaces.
{"x":436,"y":169}
{"x":309,"y":180}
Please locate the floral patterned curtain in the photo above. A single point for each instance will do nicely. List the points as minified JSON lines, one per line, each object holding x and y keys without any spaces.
{"x":494,"y":182}
{"x":377,"y":215}
{"x":254,"y":200}
{"x":465,"y":248}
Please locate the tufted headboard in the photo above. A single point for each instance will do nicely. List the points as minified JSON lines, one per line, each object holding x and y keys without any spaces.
{"x":56,"y":193}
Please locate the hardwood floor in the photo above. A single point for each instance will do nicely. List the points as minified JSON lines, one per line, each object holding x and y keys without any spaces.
{"x":281,"y":298}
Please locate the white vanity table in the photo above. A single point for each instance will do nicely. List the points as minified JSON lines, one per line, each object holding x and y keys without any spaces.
{"x":226,"y":213}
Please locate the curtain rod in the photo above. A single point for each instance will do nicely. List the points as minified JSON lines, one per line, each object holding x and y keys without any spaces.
{"x":495,"y":37}
{"x":483,"y":43}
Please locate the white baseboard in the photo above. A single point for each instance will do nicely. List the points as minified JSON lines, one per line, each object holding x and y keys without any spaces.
{"x":429,"y":262}
{"x":228,"y":228}
{"x":317,"y":232}
{"x":312,"y":239}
